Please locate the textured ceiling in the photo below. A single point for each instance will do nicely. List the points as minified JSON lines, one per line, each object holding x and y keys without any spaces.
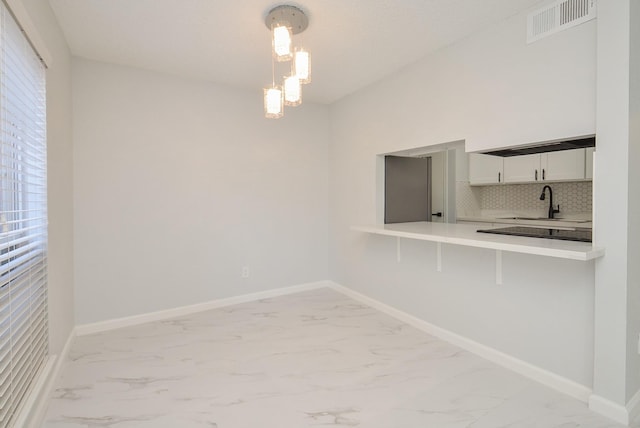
{"x":352,"y":42}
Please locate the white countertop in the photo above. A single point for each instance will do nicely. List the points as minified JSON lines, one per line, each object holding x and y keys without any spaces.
{"x":467,"y":235}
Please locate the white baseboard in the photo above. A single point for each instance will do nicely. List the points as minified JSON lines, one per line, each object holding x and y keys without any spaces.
{"x":545,"y":377}
{"x":622,"y":414}
{"x":37,"y":397}
{"x":34,"y":407}
{"x":633,"y":407}
{"x":609,"y":409}
{"x":101,"y":326}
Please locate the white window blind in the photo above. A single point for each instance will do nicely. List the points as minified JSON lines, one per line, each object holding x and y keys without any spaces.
{"x":23,"y":217}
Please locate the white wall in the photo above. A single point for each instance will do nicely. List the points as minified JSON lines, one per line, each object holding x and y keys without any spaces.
{"x":492,"y":90}
{"x":543,"y":313}
{"x":179,"y":184}
{"x":60,"y":174}
{"x":633,"y":321}
{"x":616,"y":200}
{"x":517,"y":94}
{"x":611,"y":188}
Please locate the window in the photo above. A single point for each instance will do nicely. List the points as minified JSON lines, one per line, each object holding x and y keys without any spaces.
{"x":23,"y":217}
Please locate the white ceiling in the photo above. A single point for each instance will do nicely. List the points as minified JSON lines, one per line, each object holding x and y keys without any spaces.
{"x":352,"y":42}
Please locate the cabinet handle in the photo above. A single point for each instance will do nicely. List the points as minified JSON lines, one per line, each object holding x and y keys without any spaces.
{"x":498,"y":177}
{"x":543,"y":173}
{"x":536,"y":175}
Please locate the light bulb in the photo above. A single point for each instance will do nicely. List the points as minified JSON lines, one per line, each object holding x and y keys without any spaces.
{"x":273,"y":102}
{"x":282,"y":43}
{"x":302,"y":65}
{"x":292,"y":91}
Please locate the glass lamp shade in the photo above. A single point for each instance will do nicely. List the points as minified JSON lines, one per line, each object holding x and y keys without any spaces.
{"x":292,"y":91}
{"x":281,"y":37}
{"x":302,"y":65}
{"x":273,"y":102}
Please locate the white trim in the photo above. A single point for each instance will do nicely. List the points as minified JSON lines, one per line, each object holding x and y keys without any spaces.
{"x":112,"y":324}
{"x":30,"y":30}
{"x":35,"y":406}
{"x":38,"y":413}
{"x":538,"y":374}
{"x":609,"y":409}
{"x":37,"y":396}
{"x":633,"y":407}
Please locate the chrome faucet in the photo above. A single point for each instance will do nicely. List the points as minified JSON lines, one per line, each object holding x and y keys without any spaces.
{"x":552,"y":211}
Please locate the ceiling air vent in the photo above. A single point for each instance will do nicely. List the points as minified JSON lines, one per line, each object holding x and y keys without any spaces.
{"x":558,"y":16}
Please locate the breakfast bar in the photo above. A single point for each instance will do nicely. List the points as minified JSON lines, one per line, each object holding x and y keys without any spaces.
{"x":467,"y":235}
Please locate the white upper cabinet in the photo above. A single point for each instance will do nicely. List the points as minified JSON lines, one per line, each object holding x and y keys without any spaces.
{"x":522,"y":169}
{"x":563,"y":165}
{"x":485,"y":169}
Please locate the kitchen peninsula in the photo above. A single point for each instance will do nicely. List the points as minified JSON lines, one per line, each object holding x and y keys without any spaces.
{"x":468,"y":235}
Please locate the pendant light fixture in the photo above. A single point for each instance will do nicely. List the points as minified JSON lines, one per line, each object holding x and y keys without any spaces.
{"x":292,"y":91}
{"x":284,"y":21}
{"x":273,"y":105}
{"x":302,"y":65}
{"x":273,"y":98}
{"x":281,"y":38}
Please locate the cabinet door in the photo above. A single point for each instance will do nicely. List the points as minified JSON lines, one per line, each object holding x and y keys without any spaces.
{"x":485,"y":169}
{"x":563,"y":165}
{"x":588,"y":169}
{"x":522,"y":169}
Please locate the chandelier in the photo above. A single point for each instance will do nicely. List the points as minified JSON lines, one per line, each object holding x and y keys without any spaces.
{"x":284,"y":21}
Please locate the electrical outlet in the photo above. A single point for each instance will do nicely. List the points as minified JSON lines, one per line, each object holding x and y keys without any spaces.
{"x":245,"y":271}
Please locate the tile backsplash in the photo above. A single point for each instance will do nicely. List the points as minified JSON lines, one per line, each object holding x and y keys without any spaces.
{"x":467,"y":199}
{"x":573,"y":197}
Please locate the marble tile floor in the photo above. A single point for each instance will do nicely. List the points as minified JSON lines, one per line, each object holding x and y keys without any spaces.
{"x":311,"y":359}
